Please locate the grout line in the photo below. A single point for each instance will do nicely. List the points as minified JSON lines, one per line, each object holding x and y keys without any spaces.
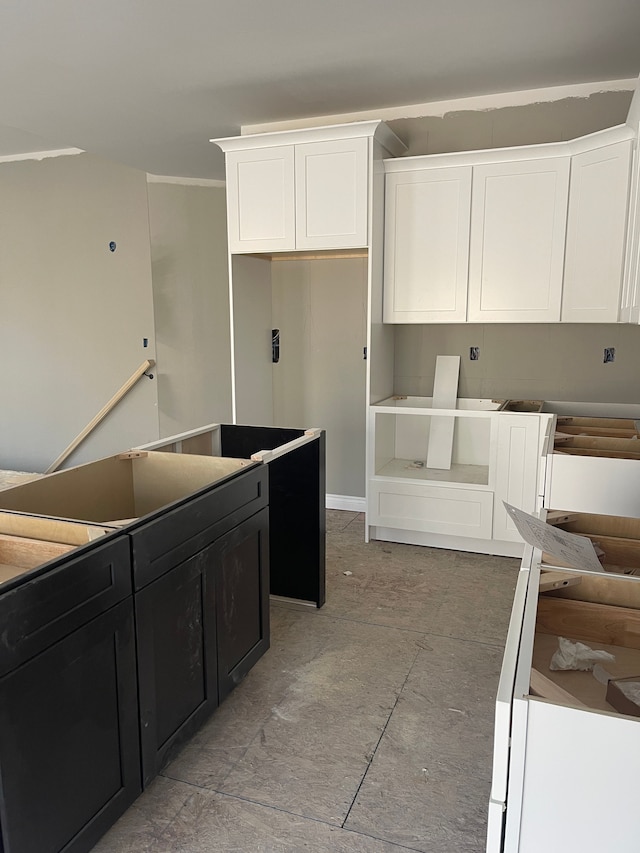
{"x":320,"y":613}
{"x":237,"y":797}
{"x":382,"y":734}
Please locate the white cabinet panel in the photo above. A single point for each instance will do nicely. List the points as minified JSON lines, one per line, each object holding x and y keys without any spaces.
{"x":430,"y":509}
{"x":580,"y":784}
{"x":518,"y":219}
{"x":596,"y":224}
{"x":260,"y":208}
{"x":516,"y":471}
{"x":331,"y":194}
{"x":427,"y":245}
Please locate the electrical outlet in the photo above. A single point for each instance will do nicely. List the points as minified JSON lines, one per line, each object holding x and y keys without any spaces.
{"x":474,"y":353}
{"x":609,"y":354}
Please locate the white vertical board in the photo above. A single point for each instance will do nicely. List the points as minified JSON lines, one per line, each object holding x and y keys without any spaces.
{"x":445,"y":394}
{"x":252,"y":365}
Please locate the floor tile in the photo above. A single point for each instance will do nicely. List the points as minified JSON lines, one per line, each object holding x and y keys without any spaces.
{"x":146,"y":819}
{"x":310,"y":756}
{"x":212,"y":822}
{"x":428,"y":785}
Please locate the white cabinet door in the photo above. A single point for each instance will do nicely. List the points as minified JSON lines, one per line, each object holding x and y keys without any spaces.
{"x":598,"y":196}
{"x":331,"y":194}
{"x":516,"y":471}
{"x":260,"y":199}
{"x":427,"y":245}
{"x":518,"y":221}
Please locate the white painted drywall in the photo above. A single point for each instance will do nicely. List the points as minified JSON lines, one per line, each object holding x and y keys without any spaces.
{"x":73,"y":314}
{"x":191,"y":302}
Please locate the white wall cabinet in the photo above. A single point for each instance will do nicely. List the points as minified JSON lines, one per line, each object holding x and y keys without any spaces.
{"x":534,"y":234}
{"x":427,"y":220}
{"x":596,"y":224}
{"x":301,"y":189}
{"x":518,"y":218}
{"x":260,"y":194}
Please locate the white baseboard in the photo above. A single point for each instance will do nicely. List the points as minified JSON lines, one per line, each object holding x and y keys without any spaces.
{"x":347,"y":502}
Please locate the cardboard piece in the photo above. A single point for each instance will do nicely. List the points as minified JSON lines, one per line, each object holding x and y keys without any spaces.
{"x":620,"y":699}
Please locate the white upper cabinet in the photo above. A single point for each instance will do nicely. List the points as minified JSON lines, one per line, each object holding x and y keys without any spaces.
{"x":427,"y":216}
{"x":331,"y":194}
{"x":301,"y":189}
{"x":533,"y":234}
{"x":260,"y":210}
{"x":596,"y":225}
{"x":518,"y":218}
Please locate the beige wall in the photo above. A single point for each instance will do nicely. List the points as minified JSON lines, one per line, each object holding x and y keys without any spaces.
{"x":320,"y":308}
{"x":73,"y":315}
{"x":530,"y":361}
{"x":191,"y":301}
{"x":552,"y":121}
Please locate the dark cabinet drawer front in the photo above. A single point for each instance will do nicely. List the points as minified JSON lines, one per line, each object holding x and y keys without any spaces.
{"x":163,"y":542}
{"x":76,"y":589}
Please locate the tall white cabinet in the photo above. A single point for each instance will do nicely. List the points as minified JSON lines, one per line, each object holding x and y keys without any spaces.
{"x":306,"y":206}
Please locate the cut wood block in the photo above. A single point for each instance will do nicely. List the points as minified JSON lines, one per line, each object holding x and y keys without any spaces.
{"x":557,"y":580}
{"x":597,"y":623}
{"x":543,"y":687}
{"x":445,"y":396}
{"x":556,"y":516}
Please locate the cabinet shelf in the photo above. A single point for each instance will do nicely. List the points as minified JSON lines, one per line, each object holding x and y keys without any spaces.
{"x":476,"y":475}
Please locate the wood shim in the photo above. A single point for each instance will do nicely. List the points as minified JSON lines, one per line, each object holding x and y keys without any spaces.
{"x":543,"y":687}
{"x":445,"y":396}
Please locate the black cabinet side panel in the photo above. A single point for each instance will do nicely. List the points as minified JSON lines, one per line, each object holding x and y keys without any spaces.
{"x":297,"y":519}
{"x":69,"y":746}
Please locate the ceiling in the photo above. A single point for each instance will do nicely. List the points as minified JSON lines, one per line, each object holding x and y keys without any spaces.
{"x":149,"y":82}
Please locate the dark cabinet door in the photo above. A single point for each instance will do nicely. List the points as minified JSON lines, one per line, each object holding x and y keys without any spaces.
{"x":242,"y":580}
{"x":69,"y":740}
{"x":177,"y":657}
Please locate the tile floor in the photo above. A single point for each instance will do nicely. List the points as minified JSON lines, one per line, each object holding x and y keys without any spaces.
{"x":366,"y":728}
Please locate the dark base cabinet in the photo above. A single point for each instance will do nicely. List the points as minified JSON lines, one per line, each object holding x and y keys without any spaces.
{"x":201,"y":572}
{"x":69,"y":739}
{"x":114,"y":654}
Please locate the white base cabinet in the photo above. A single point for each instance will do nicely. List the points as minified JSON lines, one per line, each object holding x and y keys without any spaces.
{"x":565,"y":766}
{"x":592,"y":460}
{"x":494,"y":458}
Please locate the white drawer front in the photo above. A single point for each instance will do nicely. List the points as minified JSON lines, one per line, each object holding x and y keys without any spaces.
{"x":457,"y":512}
{"x":593,"y":484}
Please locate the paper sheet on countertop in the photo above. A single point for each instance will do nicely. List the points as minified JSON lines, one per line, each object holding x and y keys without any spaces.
{"x":577,"y":551}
